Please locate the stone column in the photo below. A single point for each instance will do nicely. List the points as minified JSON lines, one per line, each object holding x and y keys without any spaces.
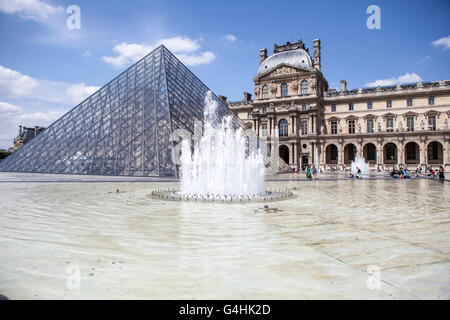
{"x":322,"y":155}
{"x":401,"y":153}
{"x":309,"y":126}
{"x":292,"y":125}
{"x":360,"y":150}
{"x":380,"y":156}
{"x":258,"y":125}
{"x":341,"y":154}
{"x":292,"y":153}
{"x":423,"y":152}
{"x":275,"y":126}
{"x":446,"y":152}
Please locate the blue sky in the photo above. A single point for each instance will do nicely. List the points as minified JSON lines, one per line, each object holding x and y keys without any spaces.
{"x":46,"y":68}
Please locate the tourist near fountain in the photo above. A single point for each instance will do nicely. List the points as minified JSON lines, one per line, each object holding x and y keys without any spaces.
{"x":360,"y":163}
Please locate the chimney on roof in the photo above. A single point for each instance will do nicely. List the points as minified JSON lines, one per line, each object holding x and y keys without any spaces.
{"x":20,"y":130}
{"x":343,"y":85}
{"x":317,"y":63}
{"x":262,"y":55}
{"x":247,"y":97}
{"x":223,"y":99}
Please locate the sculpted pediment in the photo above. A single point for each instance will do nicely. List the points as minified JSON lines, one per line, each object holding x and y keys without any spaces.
{"x":283,"y":70}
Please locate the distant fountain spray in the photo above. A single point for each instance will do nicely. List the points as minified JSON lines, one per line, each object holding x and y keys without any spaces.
{"x":316,"y":160}
{"x":360,"y":163}
{"x":220,"y":165}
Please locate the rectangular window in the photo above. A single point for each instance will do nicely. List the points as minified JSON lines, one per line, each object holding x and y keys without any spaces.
{"x":333,"y":108}
{"x":431,"y":100}
{"x":351,"y":106}
{"x":264,"y":110}
{"x":351,"y":126}
{"x":304,"y":107}
{"x":264,"y":129}
{"x":390,"y":124}
{"x":249,"y":114}
{"x":370,"y":125}
{"x":410,"y":124}
{"x":304,"y":127}
{"x":389,"y":104}
{"x":334,"y":127}
{"x":409,"y":102}
{"x":369,"y":105}
{"x":432,"y":123}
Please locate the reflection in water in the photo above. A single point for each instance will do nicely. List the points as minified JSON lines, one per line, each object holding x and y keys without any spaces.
{"x":317,"y":245}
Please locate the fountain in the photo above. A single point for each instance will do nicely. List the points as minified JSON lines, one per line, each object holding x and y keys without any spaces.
{"x":221,"y":167}
{"x":360,"y":163}
{"x":316,"y":160}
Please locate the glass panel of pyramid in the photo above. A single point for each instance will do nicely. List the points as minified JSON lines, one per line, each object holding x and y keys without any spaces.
{"x":124,"y":128}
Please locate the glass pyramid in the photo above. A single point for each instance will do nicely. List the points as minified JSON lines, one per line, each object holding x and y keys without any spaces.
{"x":124,"y":128}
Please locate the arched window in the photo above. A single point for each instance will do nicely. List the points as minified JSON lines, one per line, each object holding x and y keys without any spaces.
{"x":304,"y":87}
{"x":284,"y":89}
{"x":265,"y":91}
{"x":283,"y":128}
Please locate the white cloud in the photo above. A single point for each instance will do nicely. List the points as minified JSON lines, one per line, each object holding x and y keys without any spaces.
{"x":406,"y":78}
{"x":36,"y":10}
{"x":179,"y":44}
{"x":38,"y":118}
{"x":184,"y":48}
{"x":13,"y":83}
{"x":86,"y":54}
{"x":8,"y":108}
{"x":11,"y":116}
{"x":193,"y":60}
{"x":79,"y":92}
{"x":444,"y":42}
{"x":230,"y":38}
{"x":36,"y":101}
{"x":424,"y":59}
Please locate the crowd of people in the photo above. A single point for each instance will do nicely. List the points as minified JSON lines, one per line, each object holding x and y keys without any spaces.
{"x":312,"y":173}
{"x":402,"y":173}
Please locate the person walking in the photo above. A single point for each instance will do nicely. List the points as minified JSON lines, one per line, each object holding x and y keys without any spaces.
{"x":314,"y":172}
{"x":441,"y":173}
{"x":308,"y":172}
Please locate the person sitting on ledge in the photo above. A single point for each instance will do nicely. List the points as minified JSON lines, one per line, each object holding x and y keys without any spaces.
{"x":350,"y":174}
{"x":432,"y":173}
{"x":358,"y":173}
{"x":417,"y":173}
{"x":405,"y":173}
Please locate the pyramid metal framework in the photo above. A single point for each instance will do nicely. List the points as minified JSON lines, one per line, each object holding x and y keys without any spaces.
{"x":124,"y":128}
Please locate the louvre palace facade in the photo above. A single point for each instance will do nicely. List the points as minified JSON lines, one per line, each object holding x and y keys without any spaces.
{"x":389,"y":126}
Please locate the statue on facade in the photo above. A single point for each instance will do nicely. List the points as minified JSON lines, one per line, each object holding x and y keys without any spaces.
{"x":446,"y":124}
{"x":359,"y":127}
{"x":401,"y":126}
